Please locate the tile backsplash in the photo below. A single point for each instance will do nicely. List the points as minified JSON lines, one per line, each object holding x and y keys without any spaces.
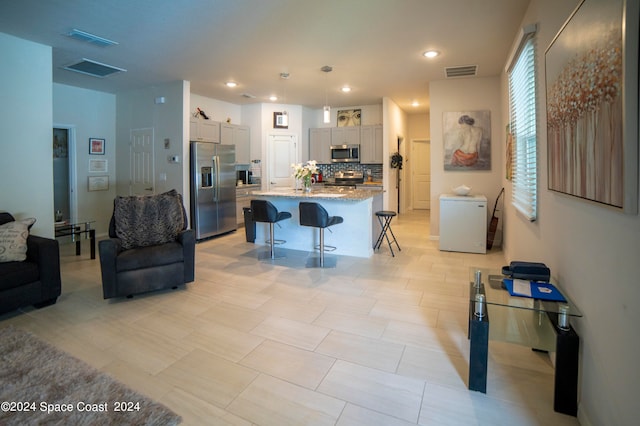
{"x":328,"y":170}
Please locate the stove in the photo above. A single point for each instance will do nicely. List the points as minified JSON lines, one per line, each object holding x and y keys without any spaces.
{"x":347,"y":179}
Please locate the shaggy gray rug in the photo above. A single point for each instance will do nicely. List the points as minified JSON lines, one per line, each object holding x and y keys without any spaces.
{"x":39,"y":384}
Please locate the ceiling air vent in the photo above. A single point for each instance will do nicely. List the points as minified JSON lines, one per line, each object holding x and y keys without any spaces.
{"x":248,"y":96}
{"x":93,"y":68}
{"x":463,"y":71}
{"x":90,"y":38}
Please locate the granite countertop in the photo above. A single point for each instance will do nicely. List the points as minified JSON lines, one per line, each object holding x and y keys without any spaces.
{"x":320,"y":192}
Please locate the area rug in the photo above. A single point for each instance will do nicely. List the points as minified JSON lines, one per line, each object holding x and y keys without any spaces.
{"x":40,"y":384}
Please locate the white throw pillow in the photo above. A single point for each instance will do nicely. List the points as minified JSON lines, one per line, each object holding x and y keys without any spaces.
{"x":13,"y":240}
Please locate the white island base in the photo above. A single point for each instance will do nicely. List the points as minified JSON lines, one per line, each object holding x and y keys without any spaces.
{"x":355,"y":236}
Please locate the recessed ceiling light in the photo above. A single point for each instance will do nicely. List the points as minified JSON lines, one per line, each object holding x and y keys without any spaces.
{"x":431,"y":53}
{"x":273,"y":98}
{"x":346,"y":89}
{"x":231,"y":84}
{"x":415,"y":103}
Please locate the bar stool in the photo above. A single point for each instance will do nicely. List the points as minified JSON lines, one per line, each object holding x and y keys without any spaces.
{"x":264,"y":211}
{"x":385,"y":217}
{"x":314,"y":215}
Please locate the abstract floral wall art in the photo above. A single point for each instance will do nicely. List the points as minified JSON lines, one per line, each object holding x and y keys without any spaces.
{"x":585,"y":109}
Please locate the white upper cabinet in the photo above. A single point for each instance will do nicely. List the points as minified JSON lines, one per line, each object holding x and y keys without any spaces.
{"x":345,"y":135}
{"x":320,"y":145}
{"x":233,"y":134}
{"x":371,"y":144}
{"x":204,"y":130}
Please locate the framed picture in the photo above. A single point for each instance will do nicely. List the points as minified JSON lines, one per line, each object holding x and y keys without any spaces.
{"x":99,"y":166}
{"x":98,"y":183}
{"x":280,"y":120}
{"x":591,"y":71}
{"x":467,"y":140}
{"x":96,"y":146}
{"x":349,"y":117}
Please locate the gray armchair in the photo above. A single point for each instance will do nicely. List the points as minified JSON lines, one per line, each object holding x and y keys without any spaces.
{"x":150,"y":247}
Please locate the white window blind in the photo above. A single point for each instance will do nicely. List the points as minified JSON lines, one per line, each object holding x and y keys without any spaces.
{"x":522,"y":111}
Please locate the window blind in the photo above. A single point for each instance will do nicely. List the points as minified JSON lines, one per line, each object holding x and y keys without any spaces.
{"x":522,"y":111}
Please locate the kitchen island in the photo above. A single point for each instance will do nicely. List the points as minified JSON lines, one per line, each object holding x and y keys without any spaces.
{"x":354,"y":237}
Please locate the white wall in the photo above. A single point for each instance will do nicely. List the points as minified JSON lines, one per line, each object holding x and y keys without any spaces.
{"x":216,"y":110}
{"x":394,"y":127}
{"x":137,"y":110}
{"x":467,"y":94}
{"x":93,"y":115}
{"x":371,"y":114}
{"x":593,"y":252}
{"x":26,"y":163}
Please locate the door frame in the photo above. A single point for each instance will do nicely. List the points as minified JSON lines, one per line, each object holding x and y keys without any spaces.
{"x":410,"y":171}
{"x":73,"y":184}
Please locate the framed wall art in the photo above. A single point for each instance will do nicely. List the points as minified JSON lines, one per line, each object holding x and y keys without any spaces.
{"x":280,"y":120}
{"x":591,"y":71}
{"x":99,"y":166}
{"x":467,"y":140}
{"x":349,"y":117}
{"x":96,"y":146}
{"x":98,"y":183}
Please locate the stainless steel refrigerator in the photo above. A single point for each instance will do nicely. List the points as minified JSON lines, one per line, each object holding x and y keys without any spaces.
{"x":213,"y":189}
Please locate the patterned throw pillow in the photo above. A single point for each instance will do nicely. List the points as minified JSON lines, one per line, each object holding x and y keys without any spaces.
{"x":148,"y":220}
{"x":13,"y":240}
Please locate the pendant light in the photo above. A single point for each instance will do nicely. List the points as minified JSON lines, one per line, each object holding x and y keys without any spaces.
{"x":285,"y":116}
{"x":326,"y":109}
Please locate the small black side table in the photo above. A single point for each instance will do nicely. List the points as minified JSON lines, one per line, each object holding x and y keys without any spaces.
{"x":385,"y":217}
{"x":539,"y":324}
{"x":75,"y":230}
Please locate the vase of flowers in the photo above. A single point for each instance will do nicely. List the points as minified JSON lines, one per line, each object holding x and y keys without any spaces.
{"x":304,"y":173}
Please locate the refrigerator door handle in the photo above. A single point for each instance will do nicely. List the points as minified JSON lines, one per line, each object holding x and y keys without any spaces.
{"x":216,"y":176}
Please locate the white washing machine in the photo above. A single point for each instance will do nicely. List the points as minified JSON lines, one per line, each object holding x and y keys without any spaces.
{"x":463,"y":223}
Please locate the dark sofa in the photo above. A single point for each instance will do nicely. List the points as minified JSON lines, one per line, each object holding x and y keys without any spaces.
{"x":34,"y":281}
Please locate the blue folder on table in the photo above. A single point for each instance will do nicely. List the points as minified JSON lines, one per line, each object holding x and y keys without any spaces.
{"x":536,"y":290}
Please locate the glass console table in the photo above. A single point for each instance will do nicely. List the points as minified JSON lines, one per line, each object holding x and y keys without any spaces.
{"x":538,"y":324}
{"x":76,"y":229}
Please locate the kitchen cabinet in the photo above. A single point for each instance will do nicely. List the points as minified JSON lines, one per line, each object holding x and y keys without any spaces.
{"x":320,"y":145}
{"x":345,"y":135}
{"x":233,"y":134}
{"x":243,"y":199}
{"x":371,"y":144}
{"x":204,"y":130}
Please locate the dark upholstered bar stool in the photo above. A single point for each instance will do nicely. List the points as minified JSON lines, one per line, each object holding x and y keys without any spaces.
{"x":385,"y":217}
{"x":314,"y":215}
{"x":264,"y":211}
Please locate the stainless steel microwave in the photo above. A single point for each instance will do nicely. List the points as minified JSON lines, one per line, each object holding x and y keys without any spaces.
{"x":345,"y":153}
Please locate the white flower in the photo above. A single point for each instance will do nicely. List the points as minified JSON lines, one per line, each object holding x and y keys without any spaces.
{"x":301,"y":171}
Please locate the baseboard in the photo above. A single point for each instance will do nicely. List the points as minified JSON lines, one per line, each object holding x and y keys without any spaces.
{"x":582,"y":417}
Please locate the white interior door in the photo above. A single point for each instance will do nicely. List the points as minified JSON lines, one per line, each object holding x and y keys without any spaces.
{"x":421,"y":167}
{"x":283,"y":150}
{"x":142,"y":163}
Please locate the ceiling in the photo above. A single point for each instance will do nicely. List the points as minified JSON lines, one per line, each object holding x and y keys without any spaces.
{"x":374,"y":46}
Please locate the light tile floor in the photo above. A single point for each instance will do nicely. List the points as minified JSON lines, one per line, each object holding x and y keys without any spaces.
{"x":379,"y":341}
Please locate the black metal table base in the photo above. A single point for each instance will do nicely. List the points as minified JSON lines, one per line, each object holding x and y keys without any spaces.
{"x":565,"y":389}
{"x":76,"y":232}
